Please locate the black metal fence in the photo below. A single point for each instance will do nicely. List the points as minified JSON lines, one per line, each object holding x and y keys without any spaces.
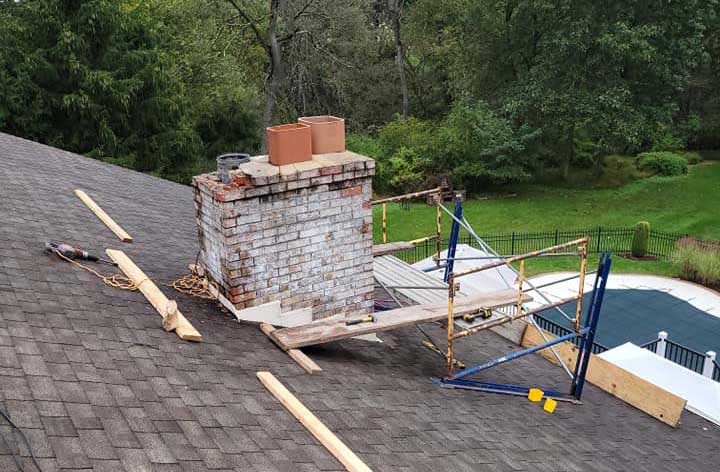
{"x":557,"y":330}
{"x":618,"y":240}
{"x":651,"y":346}
{"x":674,"y":352}
{"x":686,"y":357}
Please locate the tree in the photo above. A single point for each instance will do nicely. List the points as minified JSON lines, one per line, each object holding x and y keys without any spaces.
{"x":273,"y":29}
{"x":89,"y":76}
{"x":395,"y":10}
{"x":611,"y":70}
{"x":700,"y":104}
{"x":224,"y":103}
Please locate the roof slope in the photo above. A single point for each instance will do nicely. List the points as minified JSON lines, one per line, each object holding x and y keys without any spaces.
{"x":87,"y":372}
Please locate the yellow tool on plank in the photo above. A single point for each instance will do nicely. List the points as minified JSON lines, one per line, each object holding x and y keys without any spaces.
{"x":484,"y":313}
{"x":364,"y":319}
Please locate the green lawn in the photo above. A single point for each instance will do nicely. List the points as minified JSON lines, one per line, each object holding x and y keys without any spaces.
{"x":619,"y":265}
{"x":688,"y":204}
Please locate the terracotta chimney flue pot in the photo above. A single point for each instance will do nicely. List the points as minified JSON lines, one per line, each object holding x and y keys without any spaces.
{"x":328,"y":133}
{"x":288,"y":144}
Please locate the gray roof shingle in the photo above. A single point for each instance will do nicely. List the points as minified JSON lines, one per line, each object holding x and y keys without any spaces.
{"x":96,"y":384}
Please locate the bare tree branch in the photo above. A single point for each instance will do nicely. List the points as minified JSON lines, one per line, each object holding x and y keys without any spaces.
{"x":252,"y":22}
{"x":304,"y":9}
{"x":292,"y":35}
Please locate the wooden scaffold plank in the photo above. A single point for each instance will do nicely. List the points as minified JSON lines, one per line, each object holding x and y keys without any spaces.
{"x":173,"y":320}
{"x":295,"y":354}
{"x":334,"y":329}
{"x":390,"y":248}
{"x":321,"y":432}
{"x":104,"y":217}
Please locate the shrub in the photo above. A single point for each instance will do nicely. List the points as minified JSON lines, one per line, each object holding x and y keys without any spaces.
{"x":481,"y":147}
{"x":640,"y":239}
{"x":406,"y":169}
{"x":404,"y":155}
{"x":668,"y":142}
{"x":663,"y":163}
{"x":698,"y":264}
{"x":472,"y":145}
{"x":692,"y":158}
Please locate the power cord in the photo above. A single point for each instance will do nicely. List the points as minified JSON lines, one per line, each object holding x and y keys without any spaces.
{"x":15,"y":427}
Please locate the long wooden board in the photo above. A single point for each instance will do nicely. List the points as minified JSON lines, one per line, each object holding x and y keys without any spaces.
{"x":104,"y":217}
{"x":390,"y":248}
{"x":325,"y":331}
{"x":183,"y":328}
{"x":321,"y":432}
{"x":640,"y":393}
{"x":295,"y":354}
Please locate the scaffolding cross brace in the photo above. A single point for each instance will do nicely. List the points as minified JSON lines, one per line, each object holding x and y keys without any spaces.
{"x":586,"y":335}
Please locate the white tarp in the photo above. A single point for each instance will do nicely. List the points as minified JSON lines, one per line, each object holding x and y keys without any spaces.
{"x":480,"y":282}
{"x":702,"y":393}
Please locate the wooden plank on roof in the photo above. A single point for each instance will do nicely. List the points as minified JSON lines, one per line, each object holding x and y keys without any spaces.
{"x":326,"y":437}
{"x":392,"y":271}
{"x":324,"y":331}
{"x":173,"y":320}
{"x":295,"y":354}
{"x":104,"y":217}
{"x":643,"y":395}
{"x":390,"y":248}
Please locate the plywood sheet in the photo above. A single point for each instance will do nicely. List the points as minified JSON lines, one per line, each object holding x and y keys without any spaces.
{"x":641,"y":394}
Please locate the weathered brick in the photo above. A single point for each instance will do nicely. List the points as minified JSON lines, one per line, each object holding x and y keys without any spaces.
{"x":331,"y":170}
{"x":303,"y":237}
{"x":349,"y":192}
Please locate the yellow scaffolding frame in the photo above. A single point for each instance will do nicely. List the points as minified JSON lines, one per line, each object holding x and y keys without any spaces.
{"x":582,"y":251}
{"x":438,"y":193}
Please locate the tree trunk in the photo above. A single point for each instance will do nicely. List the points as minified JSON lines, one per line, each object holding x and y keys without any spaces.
{"x":599,"y":160}
{"x":397,"y":6}
{"x":275,"y":72}
{"x":270,"y":91}
{"x":570,"y":153}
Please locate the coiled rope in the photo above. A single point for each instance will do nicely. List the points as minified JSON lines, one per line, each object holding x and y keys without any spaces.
{"x":190,"y":284}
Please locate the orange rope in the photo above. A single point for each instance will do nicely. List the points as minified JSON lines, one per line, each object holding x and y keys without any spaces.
{"x":189,"y":284}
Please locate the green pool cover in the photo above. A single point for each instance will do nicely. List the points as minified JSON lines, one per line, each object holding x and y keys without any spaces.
{"x":638,"y":315}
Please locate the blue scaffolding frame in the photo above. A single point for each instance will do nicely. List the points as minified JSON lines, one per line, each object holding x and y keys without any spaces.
{"x":586,"y":336}
{"x":454,"y":235}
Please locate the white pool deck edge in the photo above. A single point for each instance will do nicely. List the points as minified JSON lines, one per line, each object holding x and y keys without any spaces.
{"x":698,"y":296}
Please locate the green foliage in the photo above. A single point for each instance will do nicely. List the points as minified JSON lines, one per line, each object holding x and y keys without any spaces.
{"x":666,"y":140}
{"x":609,"y":71}
{"x":472,"y":145}
{"x":698,"y":264}
{"x":502,"y":91}
{"x":412,"y":133}
{"x":89,"y":76}
{"x":640,"y":239}
{"x":692,"y":158}
{"x":663,"y":163}
{"x":403,"y":146}
{"x":481,"y":147}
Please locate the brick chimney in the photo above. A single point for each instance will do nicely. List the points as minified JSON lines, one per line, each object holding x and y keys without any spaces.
{"x":299,"y":233}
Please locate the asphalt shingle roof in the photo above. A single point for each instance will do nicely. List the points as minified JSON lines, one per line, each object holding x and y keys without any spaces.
{"x":96,"y":384}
